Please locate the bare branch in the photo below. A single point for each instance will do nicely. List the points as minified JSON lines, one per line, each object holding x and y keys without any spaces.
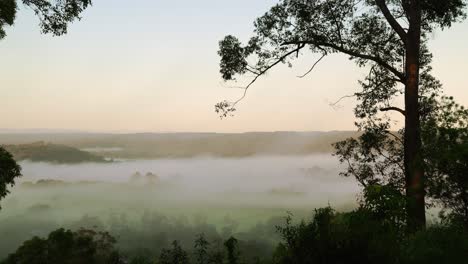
{"x":341,"y":98}
{"x":226,"y":107}
{"x":313,"y":66}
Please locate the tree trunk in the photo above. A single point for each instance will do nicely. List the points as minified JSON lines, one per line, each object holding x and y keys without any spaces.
{"x":414,"y":168}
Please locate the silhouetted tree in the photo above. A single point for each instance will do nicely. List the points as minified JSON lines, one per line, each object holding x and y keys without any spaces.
{"x":364,"y":237}
{"x":387,"y":36}
{"x":54,"y":16}
{"x":216,"y":256}
{"x":232,"y":249}
{"x":9,"y":171}
{"x":375,"y":157}
{"x":445,"y":145}
{"x":201,"y":249}
{"x":67,"y":247}
{"x":175,"y":255}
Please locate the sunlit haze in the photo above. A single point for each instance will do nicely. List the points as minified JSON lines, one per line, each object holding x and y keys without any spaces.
{"x":133,"y":66}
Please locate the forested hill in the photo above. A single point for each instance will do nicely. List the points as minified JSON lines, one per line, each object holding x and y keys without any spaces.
{"x":53,"y":153}
{"x":177,"y":145}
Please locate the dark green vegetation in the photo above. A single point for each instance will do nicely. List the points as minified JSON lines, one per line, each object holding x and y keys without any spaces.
{"x":144,"y":236}
{"x":359,"y":236}
{"x":187,"y":145}
{"x":387,"y":37}
{"x":64,"y":246}
{"x":47,"y":152}
{"x":376,"y":157}
{"x":9,"y":170}
{"x":54,"y":16}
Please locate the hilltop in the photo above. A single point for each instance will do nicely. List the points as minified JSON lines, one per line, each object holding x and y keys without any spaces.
{"x":54,"y":153}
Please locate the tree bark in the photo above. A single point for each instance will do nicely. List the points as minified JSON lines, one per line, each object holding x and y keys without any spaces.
{"x":414,"y":168}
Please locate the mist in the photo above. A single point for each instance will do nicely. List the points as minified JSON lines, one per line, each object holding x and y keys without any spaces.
{"x":298,"y":181}
{"x":230,"y":195}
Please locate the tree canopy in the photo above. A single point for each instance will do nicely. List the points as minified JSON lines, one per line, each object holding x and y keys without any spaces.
{"x":387,"y":37}
{"x":370,"y":32}
{"x":9,"y":171}
{"x":54,"y":16}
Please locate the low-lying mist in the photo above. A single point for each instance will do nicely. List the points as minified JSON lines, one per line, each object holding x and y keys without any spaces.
{"x":220,"y":196}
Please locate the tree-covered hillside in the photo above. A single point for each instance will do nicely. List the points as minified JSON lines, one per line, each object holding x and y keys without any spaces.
{"x":47,"y":152}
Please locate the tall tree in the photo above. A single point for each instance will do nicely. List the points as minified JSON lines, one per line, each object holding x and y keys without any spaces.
{"x":201,"y":249}
{"x":386,"y":36}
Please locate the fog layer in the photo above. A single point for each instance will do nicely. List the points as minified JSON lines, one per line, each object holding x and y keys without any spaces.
{"x":238,"y":193}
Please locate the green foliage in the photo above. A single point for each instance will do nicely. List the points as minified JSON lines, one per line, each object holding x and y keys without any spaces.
{"x":54,"y":15}
{"x":388,"y":38}
{"x":438,"y":244}
{"x":141,"y":260}
{"x":386,"y":203}
{"x":201,"y":249}
{"x":362,"y":236}
{"x":232,"y":250}
{"x":445,"y":135}
{"x":67,"y":247}
{"x":443,"y":13}
{"x":360,"y":29}
{"x":175,"y":255}
{"x":7,"y":15}
{"x":375,"y":158}
{"x":9,"y":171}
{"x":356,"y":237}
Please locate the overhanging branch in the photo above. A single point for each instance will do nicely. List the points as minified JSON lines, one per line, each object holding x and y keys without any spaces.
{"x":379,"y":61}
{"x":392,"y":108}
{"x":227,"y":107}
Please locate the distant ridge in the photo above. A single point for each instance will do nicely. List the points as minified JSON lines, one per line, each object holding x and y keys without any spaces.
{"x":186,"y":145}
{"x":53,"y":153}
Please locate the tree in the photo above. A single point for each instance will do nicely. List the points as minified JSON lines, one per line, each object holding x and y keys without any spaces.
{"x":388,"y":37}
{"x":54,"y":15}
{"x":201,"y":249}
{"x":232,"y":249}
{"x":9,"y":171}
{"x":175,"y":255}
{"x":375,"y":158}
{"x":64,"y":246}
{"x":445,"y":138}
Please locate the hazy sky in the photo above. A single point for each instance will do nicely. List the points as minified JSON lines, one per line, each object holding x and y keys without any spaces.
{"x":151,"y":65}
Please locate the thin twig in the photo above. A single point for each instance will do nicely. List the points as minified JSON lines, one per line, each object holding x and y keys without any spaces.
{"x":313,"y":66}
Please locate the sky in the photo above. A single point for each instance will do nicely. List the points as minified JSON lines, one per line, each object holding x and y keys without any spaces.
{"x":152,"y":66}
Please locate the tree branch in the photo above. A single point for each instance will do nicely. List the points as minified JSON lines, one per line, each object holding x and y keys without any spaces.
{"x":352,"y":53}
{"x":340,"y":99}
{"x":262,"y":72}
{"x":391,"y":20}
{"x":313,"y":66}
{"x":392,"y":108}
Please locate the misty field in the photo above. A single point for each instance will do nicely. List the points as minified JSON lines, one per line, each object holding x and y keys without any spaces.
{"x":228,"y":195}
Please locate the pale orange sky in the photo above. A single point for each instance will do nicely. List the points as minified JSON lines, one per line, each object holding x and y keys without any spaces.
{"x":152,"y":66}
